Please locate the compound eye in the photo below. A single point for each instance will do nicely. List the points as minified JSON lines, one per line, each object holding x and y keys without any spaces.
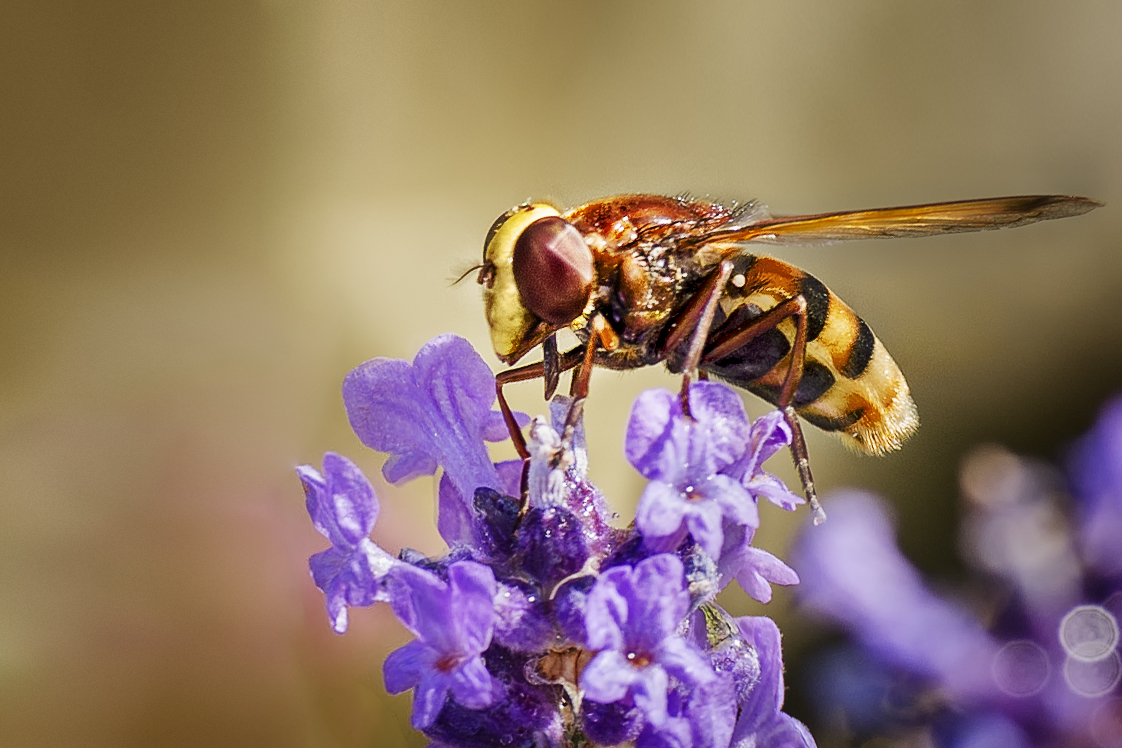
{"x":553,"y":270}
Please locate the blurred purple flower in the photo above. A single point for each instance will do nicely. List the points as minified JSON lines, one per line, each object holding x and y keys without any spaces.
{"x":1049,"y":674}
{"x":852,"y":571}
{"x":453,"y":623}
{"x":343,"y":508}
{"x":1095,"y":466}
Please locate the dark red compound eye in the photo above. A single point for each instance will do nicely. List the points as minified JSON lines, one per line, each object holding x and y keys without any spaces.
{"x":553,"y":270}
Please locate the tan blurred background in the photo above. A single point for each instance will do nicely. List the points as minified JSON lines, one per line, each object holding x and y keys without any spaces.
{"x":209,"y":212}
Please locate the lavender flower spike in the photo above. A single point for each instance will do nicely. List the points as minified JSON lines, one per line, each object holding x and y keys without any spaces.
{"x":543,"y":624}
{"x":631,"y":619}
{"x":343,"y":508}
{"x":453,"y":623}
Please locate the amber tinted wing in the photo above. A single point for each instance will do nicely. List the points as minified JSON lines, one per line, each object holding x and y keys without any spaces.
{"x":908,"y":220}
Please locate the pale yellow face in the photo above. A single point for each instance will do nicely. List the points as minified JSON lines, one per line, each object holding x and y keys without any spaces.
{"x":509,"y":319}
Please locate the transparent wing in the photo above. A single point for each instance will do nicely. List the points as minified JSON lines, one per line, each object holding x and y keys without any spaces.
{"x":908,"y":220}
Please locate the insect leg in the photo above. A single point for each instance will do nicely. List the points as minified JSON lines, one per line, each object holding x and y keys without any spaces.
{"x":523,"y":373}
{"x":697,"y":317}
{"x":578,"y":389}
{"x":551,"y":361}
{"x":732,"y":339}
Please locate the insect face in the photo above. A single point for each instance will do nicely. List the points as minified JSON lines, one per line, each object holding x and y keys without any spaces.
{"x":537,"y":276}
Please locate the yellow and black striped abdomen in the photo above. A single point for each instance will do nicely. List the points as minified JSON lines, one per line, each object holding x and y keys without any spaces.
{"x":850,"y":385}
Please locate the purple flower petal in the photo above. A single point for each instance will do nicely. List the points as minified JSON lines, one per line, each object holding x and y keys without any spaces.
{"x":428,"y":413}
{"x":473,"y":601}
{"x":656,"y":434}
{"x":428,"y":699}
{"x":471,"y":684}
{"x":684,"y":661}
{"x":649,"y":692}
{"x":661,"y":513}
{"x":766,"y":698}
{"x":608,"y":676}
{"x":699,"y":476}
{"x":782,"y":732}
{"x":341,"y":502}
{"x":343,"y":507}
{"x":657,"y":600}
{"x":606,"y":610}
{"x":405,"y":666}
{"x":774,"y":490}
{"x":756,"y":568}
{"x":632,"y":616}
{"x":703,"y":519}
{"x":719,"y":412}
{"x":454,"y":519}
{"x":495,"y":428}
{"x":769,"y":434}
{"x":453,"y":623}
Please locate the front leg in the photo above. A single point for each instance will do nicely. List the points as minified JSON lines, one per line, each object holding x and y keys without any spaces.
{"x":600,"y":335}
{"x":524,"y":373}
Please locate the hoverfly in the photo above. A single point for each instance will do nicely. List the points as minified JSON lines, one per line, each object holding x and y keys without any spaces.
{"x":643,"y":279}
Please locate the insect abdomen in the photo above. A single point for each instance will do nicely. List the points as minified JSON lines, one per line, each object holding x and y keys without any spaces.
{"x":850,"y":385}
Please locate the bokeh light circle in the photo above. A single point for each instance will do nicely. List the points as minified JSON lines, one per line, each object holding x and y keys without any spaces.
{"x":1091,"y":679}
{"x":1021,"y":668}
{"x":1089,"y":633}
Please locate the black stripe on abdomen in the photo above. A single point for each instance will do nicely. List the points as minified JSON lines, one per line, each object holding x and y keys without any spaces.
{"x":860,"y":353}
{"x":817,"y":305}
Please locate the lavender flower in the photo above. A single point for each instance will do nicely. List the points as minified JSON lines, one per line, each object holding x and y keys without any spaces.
{"x":631,"y":619}
{"x":343,"y":508}
{"x":769,"y":434}
{"x":762,"y":722}
{"x":544,"y":625}
{"x":453,"y":623}
{"x":435,"y":412}
{"x":705,"y":473}
{"x":684,"y":458}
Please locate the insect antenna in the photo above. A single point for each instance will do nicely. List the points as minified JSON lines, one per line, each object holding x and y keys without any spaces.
{"x":465,"y":274}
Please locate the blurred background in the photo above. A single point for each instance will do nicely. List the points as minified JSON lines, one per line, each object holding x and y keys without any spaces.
{"x":210,"y":212}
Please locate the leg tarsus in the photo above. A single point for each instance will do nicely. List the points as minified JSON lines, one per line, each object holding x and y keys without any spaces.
{"x":802,"y":464}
